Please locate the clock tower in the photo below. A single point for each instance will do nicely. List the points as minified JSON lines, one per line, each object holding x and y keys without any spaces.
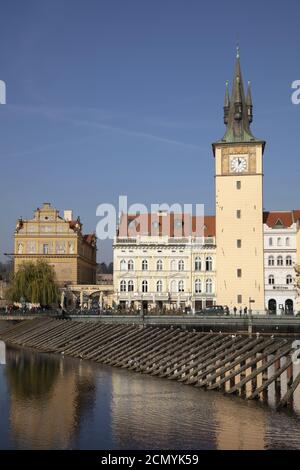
{"x":239,"y":203}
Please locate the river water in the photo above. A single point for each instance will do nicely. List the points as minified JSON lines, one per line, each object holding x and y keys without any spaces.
{"x":56,"y":402}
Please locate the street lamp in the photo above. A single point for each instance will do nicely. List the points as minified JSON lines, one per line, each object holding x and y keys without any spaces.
{"x":250,"y":327}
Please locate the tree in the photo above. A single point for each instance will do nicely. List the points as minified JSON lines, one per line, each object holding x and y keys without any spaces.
{"x":35,"y":283}
{"x":103,"y":268}
{"x":5,"y":271}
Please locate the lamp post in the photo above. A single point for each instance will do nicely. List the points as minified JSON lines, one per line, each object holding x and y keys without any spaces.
{"x":250,"y":326}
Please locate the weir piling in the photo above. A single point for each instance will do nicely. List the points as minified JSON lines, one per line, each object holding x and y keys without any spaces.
{"x":232,"y":364}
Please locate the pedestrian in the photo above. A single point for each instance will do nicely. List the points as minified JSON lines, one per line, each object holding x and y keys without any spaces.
{"x":241,"y":311}
{"x":245,"y":311}
{"x":234,"y":311}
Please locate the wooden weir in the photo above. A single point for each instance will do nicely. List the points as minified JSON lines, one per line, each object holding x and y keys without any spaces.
{"x":234,"y":364}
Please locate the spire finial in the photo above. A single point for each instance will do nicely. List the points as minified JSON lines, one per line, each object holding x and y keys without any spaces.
{"x":238,"y":51}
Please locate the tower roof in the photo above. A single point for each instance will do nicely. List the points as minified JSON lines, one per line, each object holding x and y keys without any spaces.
{"x":238,"y":110}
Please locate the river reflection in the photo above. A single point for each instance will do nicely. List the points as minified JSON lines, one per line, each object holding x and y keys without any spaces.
{"x":55,"y":402}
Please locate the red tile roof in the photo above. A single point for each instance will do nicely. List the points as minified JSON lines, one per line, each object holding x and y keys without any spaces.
{"x":284,"y":218}
{"x":171,"y":225}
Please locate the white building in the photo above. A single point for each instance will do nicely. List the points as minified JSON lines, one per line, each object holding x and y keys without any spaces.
{"x":160,"y":265}
{"x":280,"y":253}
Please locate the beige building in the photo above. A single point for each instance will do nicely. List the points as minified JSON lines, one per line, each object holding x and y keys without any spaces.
{"x":59,"y":241}
{"x":239,"y":203}
{"x":160,"y":264}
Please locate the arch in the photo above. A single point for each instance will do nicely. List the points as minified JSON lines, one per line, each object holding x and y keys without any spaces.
{"x":181,"y":265}
{"x":198,"y":264}
{"x":181,"y":286}
{"x":159,"y":265}
{"x":288,"y":261}
{"x":272,"y":305}
{"x":289,"y":306}
{"x":123,"y":265}
{"x":271,"y":280}
{"x":123,"y":286}
{"x":271,"y":261}
{"x":208,"y":286}
{"x":173,"y":286}
{"x":159,"y":286}
{"x":279,"y":260}
{"x":130,"y":286}
{"x":209,"y":263}
{"x":144,"y":265}
{"x":198,"y":286}
{"x":130,"y":265}
{"x":145,"y":286}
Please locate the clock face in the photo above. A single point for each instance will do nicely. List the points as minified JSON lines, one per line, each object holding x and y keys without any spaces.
{"x":238,"y":164}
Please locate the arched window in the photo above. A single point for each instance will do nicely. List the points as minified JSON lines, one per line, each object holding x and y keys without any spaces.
{"x":123,"y":265}
{"x":173,"y":265}
{"x":198,"y":264}
{"x":123,"y":286}
{"x":278,"y":241}
{"x":130,"y":265}
{"x":181,"y":286}
{"x":287,"y":241}
{"x":270,"y":241}
{"x":145,"y":286}
{"x":288,"y":261}
{"x":159,"y":286}
{"x":271,"y":280}
{"x":208,"y":263}
{"x":181,"y":265}
{"x":159,"y":265}
{"x":289,"y":279}
{"x":198,"y":286}
{"x":272,"y":305}
{"x":144,"y":265}
{"x":279,"y":261}
{"x":271,"y":261}
{"x":173,"y":286}
{"x":130,"y":286}
{"x":208,"y":286}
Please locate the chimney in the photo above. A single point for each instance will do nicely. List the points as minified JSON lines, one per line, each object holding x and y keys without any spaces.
{"x":68,"y":215}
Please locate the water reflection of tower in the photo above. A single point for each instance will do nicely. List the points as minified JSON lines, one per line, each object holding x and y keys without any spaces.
{"x":241,"y":426}
{"x":49,"y":396}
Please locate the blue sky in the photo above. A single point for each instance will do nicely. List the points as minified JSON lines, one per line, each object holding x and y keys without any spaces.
{"x":110,"y":97}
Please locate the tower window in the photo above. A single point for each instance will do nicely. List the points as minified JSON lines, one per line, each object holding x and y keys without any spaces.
{"x":238,"y":185}
{"x":239,"y":243}
{"x":238,"y":214}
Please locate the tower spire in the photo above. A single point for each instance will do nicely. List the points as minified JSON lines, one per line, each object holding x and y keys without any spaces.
{"x":249,"y":103}
{"x":238,"y":110}
{"x":226,"y":103}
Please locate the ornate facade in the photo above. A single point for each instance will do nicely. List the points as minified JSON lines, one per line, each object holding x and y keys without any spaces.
{"x":161,"y":267}
{"x":59,"y":241}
